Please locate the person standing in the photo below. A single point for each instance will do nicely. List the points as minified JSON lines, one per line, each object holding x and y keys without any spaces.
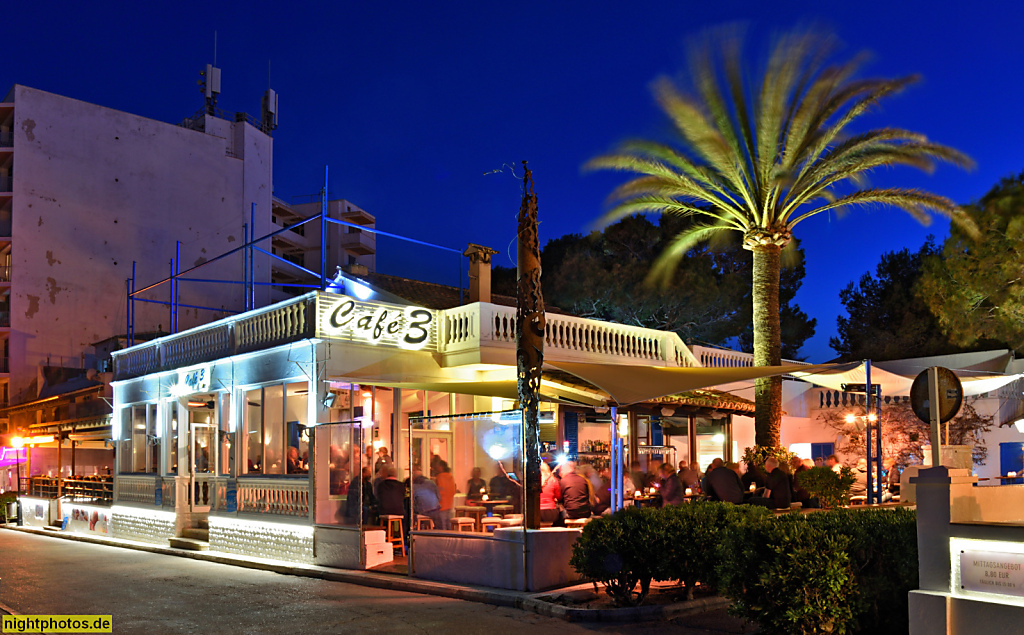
{"x":446,"y":488}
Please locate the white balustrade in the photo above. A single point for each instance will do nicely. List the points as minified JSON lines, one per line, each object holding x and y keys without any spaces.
{"x":720,"y":358}
{"x":273,"y":496}
{"x":135,"y":489}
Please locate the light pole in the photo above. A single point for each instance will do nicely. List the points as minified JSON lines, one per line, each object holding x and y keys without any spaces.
{"x":17,"y":443}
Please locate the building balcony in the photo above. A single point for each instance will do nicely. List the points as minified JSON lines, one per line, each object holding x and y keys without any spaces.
{"x":5,"y":270}
{"x":5,"y":368}
{"x":6,"y":138}
{"x":5,"y":319}
{"x":358,"y":242}
{"x":6,"y":184}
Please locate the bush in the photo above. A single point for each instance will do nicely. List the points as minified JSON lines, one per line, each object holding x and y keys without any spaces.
{"x":624,"y":550}
{"x":697,"y":532}
{"x":832,"y":490}
{"x":791,"y":577}
{"x":758,"y":454}
{"x":883,"y":553}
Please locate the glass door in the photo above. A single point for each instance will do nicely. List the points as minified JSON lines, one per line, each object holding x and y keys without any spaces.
{"x":202,"y":450}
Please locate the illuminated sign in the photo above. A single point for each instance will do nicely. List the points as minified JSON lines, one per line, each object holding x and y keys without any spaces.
{"x":379,"y":324}
{"x":193,"y":381}
{"x":992,"y":572}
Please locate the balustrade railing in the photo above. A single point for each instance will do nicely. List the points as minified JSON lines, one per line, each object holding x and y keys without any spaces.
{"x":136,"y":489}
{"x":273,"y":497}
{"x":483,"y":324}
{"x":276,"y":325}
{"x":721,"y":358}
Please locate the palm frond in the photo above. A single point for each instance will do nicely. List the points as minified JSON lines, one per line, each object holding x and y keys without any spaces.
{"x":664,"y":267}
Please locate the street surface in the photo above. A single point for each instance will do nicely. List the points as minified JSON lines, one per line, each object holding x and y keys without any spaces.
{"x":156,"y":593}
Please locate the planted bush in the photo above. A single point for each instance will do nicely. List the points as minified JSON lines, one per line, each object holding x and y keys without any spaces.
{"x":832,"y":490}
{"x":698,"y":531}
{"x":792,"y":578}
{"x":625,"y":551}
{"x":883,"y":553}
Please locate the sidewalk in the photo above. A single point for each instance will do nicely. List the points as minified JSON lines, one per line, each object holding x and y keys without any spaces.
{"x":711,"y":608}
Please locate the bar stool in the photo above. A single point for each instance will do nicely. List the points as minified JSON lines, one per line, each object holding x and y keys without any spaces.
{"x":423,"y":523}
{"x":463,"y":524}
{"x":476,"y":512}
{"x":393,"y":526}
{"x":490,"y":523}
{"x":577,"y":523}
{"x":501,"y":510}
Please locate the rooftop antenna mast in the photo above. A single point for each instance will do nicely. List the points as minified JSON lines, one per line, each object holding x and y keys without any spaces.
{"x":268,"y":110}
{"x":210,"y":84}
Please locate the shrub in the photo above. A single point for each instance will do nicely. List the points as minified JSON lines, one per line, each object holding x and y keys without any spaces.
{"x":832,"y":490}
{"x":6,"y":497}
{"x":624,"y":550}
{"x":758,"y":454}
{"x":698,"y":531}
{"x":791,"y":577}
{"x":883,"y":553}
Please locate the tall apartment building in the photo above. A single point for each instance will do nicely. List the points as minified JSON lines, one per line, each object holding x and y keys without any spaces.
{"x":86,"y":191}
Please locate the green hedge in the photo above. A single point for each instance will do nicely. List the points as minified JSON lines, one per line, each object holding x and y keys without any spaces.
{"x":839,"y":571}
{"x":6,"y":497}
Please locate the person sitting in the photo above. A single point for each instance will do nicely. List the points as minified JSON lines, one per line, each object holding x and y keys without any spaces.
{"x":860,"y":474}
{"x":777,"y":493}
{"x":575,"y":492}
{"x":832,"y":462}
{"x":704,"y":479}
{"x":476,"y":487}
{"x":689,"y":474}
{"x":361,"y":500}
{"x":294,"y":463}
{"x":498,"y":486}
{"x":383,"y":459}
{"x":550,"y":495}
{"x":426,"y":499}
{"x":723,"y":484}
{"x":891,"y":480}
{"x":799,"y":494}
{"x":391,"y":494}
{"x":671,"y":489}
{"x":603,"y":492}
{"x":754,"y":475}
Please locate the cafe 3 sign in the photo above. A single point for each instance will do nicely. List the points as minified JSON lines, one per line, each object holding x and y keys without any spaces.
{"x":410,"y":328}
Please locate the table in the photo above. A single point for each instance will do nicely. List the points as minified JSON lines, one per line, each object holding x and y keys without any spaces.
{"x":647,"y":500}
{"x":490,"y":504}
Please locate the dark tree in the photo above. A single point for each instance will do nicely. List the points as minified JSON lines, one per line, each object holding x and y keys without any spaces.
{"x":886,"y":318}
{"x":976,"y":287}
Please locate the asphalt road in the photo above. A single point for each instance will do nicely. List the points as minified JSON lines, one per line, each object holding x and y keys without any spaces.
{"x":156,"y":593}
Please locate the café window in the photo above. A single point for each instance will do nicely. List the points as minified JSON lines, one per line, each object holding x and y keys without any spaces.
{"x":139,"y":445}
{"x":276,"y":439}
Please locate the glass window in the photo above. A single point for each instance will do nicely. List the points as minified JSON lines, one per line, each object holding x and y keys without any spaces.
{"x":273,"y":429}
{"x":252,"y":438}
{"x":203,"y":439}
{"x":139,"y":447}
{"x":124,"y":446}
{"x":153,"y":434}
{"x":226,"y":453}
{"x":171,"y":410}
{"x":296,"y":433}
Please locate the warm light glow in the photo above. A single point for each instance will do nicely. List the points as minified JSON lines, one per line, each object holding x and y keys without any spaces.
{"x":851,"y":418}
{"x":360,"y":290}
{"x":718,"y":438}
{"x":485,"y":497}
{"x":17,"y":442}
{"x":872,"y":417}
{"x":560,"y":458}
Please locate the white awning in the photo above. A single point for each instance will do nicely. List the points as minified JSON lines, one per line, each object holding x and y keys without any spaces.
{"x":897,"y":384}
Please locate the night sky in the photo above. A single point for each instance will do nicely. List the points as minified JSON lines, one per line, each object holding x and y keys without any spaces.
{"x":414,"y":105}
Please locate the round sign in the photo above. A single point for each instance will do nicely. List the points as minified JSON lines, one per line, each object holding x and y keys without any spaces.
{"x":950,"y":397}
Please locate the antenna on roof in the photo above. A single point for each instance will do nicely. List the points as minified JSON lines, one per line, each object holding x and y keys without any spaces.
{"x":268,"y":110}
{"x":215,"y":48}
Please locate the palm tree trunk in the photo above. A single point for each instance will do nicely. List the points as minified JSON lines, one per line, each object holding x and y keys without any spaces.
{"x":767,"y":343}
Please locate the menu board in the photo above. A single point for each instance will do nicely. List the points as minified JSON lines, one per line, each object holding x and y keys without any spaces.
{"x":992,"y":572}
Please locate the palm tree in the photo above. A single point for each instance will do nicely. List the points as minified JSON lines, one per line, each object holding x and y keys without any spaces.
{"x":761,"y":161}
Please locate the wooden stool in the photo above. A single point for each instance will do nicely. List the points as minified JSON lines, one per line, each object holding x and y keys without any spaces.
{"x":489,"y":524}
{"x":476,"y":512}
{"x":393,"y":526}
{"x":577,"y":522}
{"x":463,"y":524}
{"x":501,"y":510}
{"x":423,"y":523}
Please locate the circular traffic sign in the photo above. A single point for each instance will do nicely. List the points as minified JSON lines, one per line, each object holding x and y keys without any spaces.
{"x":950,"y":397}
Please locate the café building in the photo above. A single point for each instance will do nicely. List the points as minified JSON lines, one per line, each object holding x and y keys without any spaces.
{"x":249,"y":435}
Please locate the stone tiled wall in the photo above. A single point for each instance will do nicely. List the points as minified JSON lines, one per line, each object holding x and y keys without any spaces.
{"x":155,"y":528}
{"x":279,"y":542}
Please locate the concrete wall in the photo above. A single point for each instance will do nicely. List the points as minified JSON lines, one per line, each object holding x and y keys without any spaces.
{"x":94,"y":190}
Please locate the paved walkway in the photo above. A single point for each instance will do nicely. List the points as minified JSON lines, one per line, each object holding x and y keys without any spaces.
{"x":155,"y":592}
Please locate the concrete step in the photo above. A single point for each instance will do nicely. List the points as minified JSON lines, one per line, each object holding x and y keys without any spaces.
{"x":203,"y":523}
{"x":189,"y":544}
{"x":197,"y":534}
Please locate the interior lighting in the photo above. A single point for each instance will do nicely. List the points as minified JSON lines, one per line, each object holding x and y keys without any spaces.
{"x":851,"y":419}
{"x":360,"y":290}
{"x":718,"y":438}
{"x":560,"y":458}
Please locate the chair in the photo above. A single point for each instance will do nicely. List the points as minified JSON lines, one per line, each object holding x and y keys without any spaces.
{"x":423,"y":523}
{"x":490,"y":523}
{"x":460,"y":523}
{"x":393,"y":526}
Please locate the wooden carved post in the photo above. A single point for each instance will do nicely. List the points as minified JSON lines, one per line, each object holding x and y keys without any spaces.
{"x":529,"y":346}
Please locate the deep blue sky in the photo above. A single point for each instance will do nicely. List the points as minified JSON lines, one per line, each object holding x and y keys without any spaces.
{"x":411,"y":103}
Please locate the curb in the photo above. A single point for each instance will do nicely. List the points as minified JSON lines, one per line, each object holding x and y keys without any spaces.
{"x":483,"y":595}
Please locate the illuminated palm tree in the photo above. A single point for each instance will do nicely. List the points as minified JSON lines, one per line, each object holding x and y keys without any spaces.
{"x":760,"y":161}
